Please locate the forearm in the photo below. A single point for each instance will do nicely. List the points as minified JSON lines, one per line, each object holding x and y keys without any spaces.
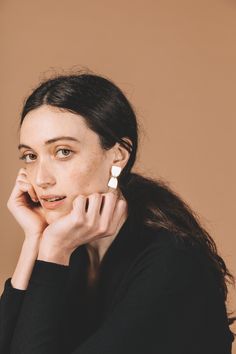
{"x":41,"y":323}
{"x":24,"y":267}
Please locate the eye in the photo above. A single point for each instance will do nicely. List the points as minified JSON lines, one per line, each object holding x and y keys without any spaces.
{"x":25,"y":156}
{"x":28,"y":158}
{"x":66,"y":152}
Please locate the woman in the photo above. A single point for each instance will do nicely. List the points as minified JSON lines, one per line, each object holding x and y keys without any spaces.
{"x":112,"y":262}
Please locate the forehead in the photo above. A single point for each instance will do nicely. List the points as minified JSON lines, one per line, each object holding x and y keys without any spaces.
{"x":47,"y":122}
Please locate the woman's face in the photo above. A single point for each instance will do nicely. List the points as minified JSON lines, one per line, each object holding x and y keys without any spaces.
{"x":62,"y":166}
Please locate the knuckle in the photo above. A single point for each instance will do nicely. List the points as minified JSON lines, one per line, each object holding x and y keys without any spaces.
{"x":123,"y":202}
{"x":90,"y":224}
{"x":80,"y":197}
{"x":76,"y":220}
{"x":23,"y":186}
{"x":102,"y":229}
{"x":21,"y":181}
{"x":96,"y":195}
{"x":23,"y":172}
{"x":113,"y":194}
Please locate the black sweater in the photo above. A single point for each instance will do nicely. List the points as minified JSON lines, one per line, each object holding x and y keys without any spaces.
{"x":154,"y":295}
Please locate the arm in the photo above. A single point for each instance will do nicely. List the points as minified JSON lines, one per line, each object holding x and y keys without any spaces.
{"x":25,"y":263}
{"x":40,"y":323}
{"x":14,"y":293}
{"x":138,"y":317}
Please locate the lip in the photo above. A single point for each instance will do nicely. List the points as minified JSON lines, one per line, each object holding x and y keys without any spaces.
{"x":47,"y":196}
{"x":52,"y":205}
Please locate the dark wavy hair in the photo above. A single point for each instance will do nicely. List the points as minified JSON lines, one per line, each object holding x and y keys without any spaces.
{"x":108,"y":113}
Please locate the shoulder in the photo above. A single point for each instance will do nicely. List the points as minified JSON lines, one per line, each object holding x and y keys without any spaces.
{"x":154,"y":243}
{"x":164,"y":272}
{"x":162,"y":255}
{"x":161,"y":269}
{"x":169,"y":242}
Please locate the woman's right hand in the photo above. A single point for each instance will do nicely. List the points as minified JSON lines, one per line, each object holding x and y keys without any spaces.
{"x":25,"y":207}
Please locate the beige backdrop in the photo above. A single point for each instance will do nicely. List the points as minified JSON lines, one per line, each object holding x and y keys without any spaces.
{"x":175,"y":60}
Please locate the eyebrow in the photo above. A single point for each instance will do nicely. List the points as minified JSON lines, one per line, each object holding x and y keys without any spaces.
{"x":50,"y":141}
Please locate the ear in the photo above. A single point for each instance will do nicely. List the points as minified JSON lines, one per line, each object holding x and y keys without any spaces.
{"x":120,"y":154}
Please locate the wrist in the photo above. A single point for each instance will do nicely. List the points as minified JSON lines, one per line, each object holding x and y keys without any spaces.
{"x":23,"y":270}
{"x":33,"y":238}
{"x":52,"y":254}
{"x":31,"y":243}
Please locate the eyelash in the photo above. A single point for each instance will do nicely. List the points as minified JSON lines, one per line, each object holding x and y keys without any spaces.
{"x":23,"y":157}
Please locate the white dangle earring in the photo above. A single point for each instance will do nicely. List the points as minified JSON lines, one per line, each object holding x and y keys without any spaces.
{"x":115,"y":171}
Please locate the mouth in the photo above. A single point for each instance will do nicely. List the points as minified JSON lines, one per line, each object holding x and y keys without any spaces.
{"x":52,"y":202}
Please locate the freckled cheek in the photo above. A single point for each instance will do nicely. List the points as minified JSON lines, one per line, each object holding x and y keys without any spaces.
{"x":88,"y":179}
{"x":77,"y":174}
{"x":74,"y":181}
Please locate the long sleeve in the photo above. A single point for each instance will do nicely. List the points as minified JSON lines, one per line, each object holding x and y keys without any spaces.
{"x":138,"y":315}
{"x":10,"y":305}
{"x":159,"y":296}
{"x":39,"y":326}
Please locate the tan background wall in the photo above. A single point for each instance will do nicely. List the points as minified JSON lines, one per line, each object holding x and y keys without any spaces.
{"x":175,"y":60}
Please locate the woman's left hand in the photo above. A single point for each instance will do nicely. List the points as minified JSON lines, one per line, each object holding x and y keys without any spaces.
{"x":82,"y":225}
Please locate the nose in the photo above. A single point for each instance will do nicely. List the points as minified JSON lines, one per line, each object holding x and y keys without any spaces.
{"x":44,"y":177}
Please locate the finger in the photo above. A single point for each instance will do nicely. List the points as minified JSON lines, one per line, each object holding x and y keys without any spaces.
{"x":39,"y":209}
{"x":19,"y":188}
{"x":95,"y":202}
{"x":120,"y":211}
{"x":23,"y":178}
{"x":78,"y":208}
{"x":32,"y":193}
{"x":110,"y":201}
{"x":113,"y":190}
{"x":117,"y":219}
{"x":17,"y":193}
{"x":27,"y":187}
{"x":22,"y":172}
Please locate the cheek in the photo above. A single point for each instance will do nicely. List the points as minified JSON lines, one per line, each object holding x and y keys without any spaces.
{"x":77,"y":178}
{"x":92,"y":177}
{"x":87,"y":173}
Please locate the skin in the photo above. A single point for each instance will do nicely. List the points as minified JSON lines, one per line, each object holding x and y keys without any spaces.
{"x":81,"y":171}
